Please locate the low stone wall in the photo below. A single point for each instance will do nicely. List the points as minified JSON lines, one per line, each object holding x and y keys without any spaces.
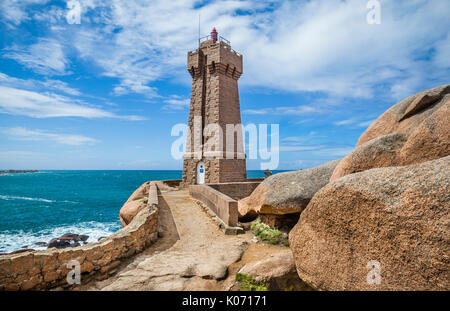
{"x":175,"y":183}
{"x":236,"y":190}
{"x":221,"y":204}
{"x":48,"y":268}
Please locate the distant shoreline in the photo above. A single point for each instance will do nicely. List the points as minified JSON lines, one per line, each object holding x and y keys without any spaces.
{"x":17,"y":171}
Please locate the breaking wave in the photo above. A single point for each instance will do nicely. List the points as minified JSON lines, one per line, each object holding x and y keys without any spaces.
{"x":12,"y":197}
{"x":12,"y":241}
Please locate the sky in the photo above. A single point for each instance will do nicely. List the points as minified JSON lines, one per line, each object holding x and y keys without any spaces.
{"x":104,"y":91}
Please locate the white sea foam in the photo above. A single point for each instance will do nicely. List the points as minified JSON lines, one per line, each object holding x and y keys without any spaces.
{"x":12,"y":241}
{"x":12,"y":197}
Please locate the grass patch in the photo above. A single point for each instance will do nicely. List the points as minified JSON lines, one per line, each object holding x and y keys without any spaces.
{"x":266,"y":234}
{"x":248,"y":283}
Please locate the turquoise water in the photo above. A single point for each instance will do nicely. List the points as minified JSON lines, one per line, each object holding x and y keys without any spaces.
{"x":37,"y":207}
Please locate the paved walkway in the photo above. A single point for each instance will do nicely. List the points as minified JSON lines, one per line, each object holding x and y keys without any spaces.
{"x":192,"y":254}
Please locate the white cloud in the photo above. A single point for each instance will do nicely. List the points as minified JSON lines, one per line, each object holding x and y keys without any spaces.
{"x":32,"y":104}
{"x":285,"y":110}
{"x":256,"y":111}
{"x":129,"y":85}
{"x":319,"y":151}
{"x":60,"y":86}
{"x":314,"y":46}
{"x":442,"y":53}
{"x":13,"y":12}
{"x":32,"y":84}
{"x":176,"y":103}
{"x":294,"y":139}
{"x":344,"y":122}
{"x":358,"y":122}
{"x":301,"y":148}
{"x":366,"y":123}
{"x":21,"y":133}
{"x":297,"y":46}
{"x":44,"y":57}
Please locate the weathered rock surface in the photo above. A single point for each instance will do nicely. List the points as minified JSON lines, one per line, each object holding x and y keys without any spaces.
{"x":406,"y":115}
{"x":277,"y":272}
{"x":395,"y":216}
{"x":430,"y":140}
{"x":134,"y":204}
{"x":379,"y":152}
{"x":196,"y":261}
{"x":420,"y":134}
{"x":287,"y":193}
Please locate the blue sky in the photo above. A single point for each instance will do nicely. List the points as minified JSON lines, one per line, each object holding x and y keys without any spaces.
{"x":105,"y":93}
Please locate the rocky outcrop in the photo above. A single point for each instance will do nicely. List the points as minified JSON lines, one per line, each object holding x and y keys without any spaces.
{"x":408,"y":114}
{"x":276,"y":272}
{"x":413,"y":131}
{"x":46,"y":269}
{"x":381,"y":229}
{"x":430,"y":140}
{"x":135,"y":203}
{"x":198,"y":259}
{"x":287,"y":193}
{"x":68,"y":240}
{"x":379,"y":152}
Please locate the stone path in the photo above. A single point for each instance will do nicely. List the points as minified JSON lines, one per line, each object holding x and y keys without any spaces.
{"x":192,"y":254}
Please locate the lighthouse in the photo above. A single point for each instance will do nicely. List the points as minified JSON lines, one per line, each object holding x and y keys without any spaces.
{"x":215,"y":69}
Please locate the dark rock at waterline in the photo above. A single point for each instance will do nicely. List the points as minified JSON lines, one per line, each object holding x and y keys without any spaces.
{"x":41,"y":243}
{"x":70,"y":236}
{"x":101,"y":238}
{"x":68,"y":240}
{"x":58,"y":243}
{"x":84,"y":237}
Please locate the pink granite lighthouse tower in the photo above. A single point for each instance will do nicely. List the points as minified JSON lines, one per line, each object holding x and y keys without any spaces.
{"x":215,"y":69}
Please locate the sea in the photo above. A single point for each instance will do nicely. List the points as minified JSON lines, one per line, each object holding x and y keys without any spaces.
{"x":36,"y":207}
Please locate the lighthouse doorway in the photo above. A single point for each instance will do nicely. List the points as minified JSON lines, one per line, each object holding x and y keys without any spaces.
{"x":201,"y":173}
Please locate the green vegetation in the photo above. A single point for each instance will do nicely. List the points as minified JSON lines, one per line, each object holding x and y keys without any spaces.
{"x":138,"y":198}
{"x":248,"y":283}
{"x":264,"y":233}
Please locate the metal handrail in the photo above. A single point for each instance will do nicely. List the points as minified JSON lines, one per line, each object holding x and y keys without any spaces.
{"x":221,"y":39}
